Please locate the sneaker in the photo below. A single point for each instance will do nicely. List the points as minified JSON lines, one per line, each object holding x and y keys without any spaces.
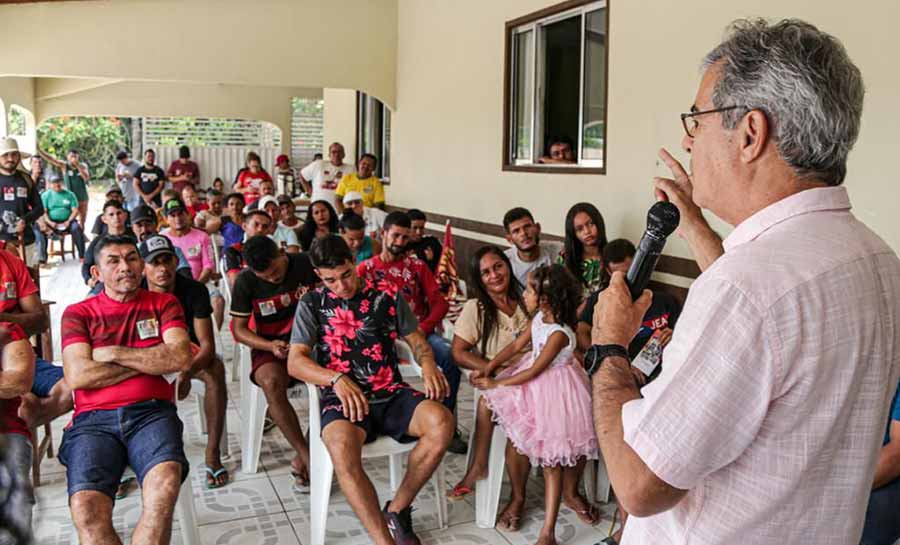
{"x":400,"y":526}
{"x":458,"y":445}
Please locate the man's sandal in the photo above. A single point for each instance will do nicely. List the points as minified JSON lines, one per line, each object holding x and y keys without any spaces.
{"x":214,"y":475}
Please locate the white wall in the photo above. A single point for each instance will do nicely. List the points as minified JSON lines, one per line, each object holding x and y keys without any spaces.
{"x":339,"y":118}
{"x":448,"y":121}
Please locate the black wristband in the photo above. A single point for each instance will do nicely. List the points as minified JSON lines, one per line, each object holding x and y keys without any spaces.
{"x":599,"y":352}
{"x":336,"y":378}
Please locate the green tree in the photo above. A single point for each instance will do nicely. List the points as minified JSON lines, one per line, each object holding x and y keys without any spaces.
{"x":97,"y":139}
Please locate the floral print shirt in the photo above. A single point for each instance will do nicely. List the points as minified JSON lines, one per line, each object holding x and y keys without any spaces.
{"x":356,"y":336}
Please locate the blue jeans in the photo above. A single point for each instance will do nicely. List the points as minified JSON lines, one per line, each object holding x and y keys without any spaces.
{"x":42,"y":242}
{"x":883,"y":516}
{"x":441,"y":348}
{"x":46,"y":375}
{"x":98,"y":445}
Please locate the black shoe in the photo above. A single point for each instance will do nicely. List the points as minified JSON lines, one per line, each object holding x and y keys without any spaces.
{"x":457,"y":444}
{"x":608,"y":541}
{"x":400,"y":526}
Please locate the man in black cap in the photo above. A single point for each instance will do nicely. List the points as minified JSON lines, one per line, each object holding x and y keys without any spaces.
{"x":158,"y":253}
{"x":143,"y":224}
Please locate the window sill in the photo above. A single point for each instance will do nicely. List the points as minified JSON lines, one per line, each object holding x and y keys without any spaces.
{"x":551,"y":169}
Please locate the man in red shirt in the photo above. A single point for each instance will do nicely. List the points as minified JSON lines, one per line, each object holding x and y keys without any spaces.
{"x":122,"y":350}
{"x":395,"y":270}
{"x":16,"y":373}
{"x":183,"y":172}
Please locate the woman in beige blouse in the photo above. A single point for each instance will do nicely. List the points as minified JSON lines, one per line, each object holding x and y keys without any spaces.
{"x":489,"y":322}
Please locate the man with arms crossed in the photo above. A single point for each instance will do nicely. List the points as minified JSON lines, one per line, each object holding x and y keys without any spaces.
{"x":765,"y":423}
{"x":352,"y":324}
{"x":121,"y":350}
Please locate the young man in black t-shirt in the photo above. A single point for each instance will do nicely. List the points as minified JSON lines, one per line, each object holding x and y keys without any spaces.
{"x":257,"y":222}
{"x":160,"y":265}
{"x":352,"y":325}
{"x":150,"y":180}
{"x":268,"y":290}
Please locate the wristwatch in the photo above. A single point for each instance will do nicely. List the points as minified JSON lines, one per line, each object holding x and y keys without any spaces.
{"x":599,"y":352}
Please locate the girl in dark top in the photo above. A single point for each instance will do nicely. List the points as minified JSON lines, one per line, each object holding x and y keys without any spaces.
{"x":321,"y":220}
{"x":583,"y":253}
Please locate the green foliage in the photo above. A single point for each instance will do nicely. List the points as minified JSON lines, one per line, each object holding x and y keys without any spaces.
{"x":97,"y":139}
{"x":16,"y":122}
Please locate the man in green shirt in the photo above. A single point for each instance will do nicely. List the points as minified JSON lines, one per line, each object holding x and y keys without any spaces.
{"x":60,"y":210}
{"x":76,"y":176}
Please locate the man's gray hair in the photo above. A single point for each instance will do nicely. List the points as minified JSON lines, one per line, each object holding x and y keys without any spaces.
{"x":804,"y":82}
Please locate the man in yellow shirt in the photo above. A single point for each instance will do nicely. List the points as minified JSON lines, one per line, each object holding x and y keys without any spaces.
{"x":364,"y":182}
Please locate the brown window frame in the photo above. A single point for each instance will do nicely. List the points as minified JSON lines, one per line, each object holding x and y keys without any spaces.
{"x":506,"y":161}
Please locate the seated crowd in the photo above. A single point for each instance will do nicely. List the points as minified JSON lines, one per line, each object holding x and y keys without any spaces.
{"x":323,"y":301}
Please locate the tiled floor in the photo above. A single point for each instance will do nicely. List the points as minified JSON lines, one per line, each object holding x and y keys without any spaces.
{"x":262,"y":509}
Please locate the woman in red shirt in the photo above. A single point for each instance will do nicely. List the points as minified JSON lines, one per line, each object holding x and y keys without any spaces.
{"x":248,"y":180}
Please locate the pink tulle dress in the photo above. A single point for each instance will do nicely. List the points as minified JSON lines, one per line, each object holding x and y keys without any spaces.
{"x":549,"y":417}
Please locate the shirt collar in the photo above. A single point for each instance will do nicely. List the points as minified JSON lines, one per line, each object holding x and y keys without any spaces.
{"x":810,"y":200}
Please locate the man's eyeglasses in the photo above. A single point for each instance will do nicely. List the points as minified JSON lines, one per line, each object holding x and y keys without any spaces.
{"x":690,"y":124}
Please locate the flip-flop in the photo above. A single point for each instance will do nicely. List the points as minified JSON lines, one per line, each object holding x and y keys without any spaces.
{"x":459,"y":492}
{"x":299,"y":485}
{"x":589,"y":516}
{"x":215,"y":474}
{"x":122,"y":490}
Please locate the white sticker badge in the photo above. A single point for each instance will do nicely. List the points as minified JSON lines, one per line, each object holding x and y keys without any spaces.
{"x":147,"y":329}
{"x":267,"y":308}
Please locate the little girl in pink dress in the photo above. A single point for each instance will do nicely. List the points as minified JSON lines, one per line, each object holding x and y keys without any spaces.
{"x":543,"y":402}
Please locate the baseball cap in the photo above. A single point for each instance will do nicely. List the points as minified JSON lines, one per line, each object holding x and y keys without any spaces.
{"x":284,"y":199}
{"x":155,"y":245}
{"x":173,"y":206}
{"x":143,"y":213}
{"x":352,"y":196}
{"x":261,"y":203}
{"x":112,"y":190}
{"x":281,"y":159}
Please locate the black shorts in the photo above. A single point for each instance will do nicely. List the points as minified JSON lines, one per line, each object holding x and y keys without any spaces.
{"x":389,"y":417}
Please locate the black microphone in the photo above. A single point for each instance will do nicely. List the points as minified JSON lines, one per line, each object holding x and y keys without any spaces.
{"x":662,"y":220}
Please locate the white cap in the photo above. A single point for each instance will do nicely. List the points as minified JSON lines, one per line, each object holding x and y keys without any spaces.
{"x":352,"y":196}
{"x":261,"y":204}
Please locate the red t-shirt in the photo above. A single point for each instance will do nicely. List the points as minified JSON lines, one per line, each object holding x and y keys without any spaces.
{"x":15,"y":282}
{"x":9,"y":408}
{"x":413,"y":279}
{"x":140,"y":323}
{"x":177,"y":168}
{"x":251,"y":180}
{"x":193,"y":209}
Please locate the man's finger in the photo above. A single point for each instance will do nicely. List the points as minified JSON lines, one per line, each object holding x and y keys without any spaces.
{"x":673,"y":164}
{"x":643,"y":302}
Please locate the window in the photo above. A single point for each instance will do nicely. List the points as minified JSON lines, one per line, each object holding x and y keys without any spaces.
{"x":555,"y":89}
{"x":307,"y":130}
{"x":373,"y":133}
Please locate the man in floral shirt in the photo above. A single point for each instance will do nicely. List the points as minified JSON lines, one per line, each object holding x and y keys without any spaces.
{"x":350,"y":325}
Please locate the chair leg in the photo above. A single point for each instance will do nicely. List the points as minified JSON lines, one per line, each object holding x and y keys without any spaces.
{"x":438,"y":481}
{"x":469,"y":451}
{"x":395,"y":463}
{"x":35,"y":459}
{"x":48,"y":431}
{"x":590,"y":481}
{"x":201,"y":413}
{"x":321,"y":474}
{"x":487,"y":491}
{"x":602,"y":482}
{"x":184,"y":507}
{"x":224,"y":449}
{"x":253,"y":432}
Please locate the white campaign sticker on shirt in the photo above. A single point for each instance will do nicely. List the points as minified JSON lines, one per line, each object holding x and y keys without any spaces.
{"x":22,"y":192}
{"x":650,"y":356}
{"x":147,"y":329}
{"x":9,"y":194}
{"x":11,"y":290}
{"x":194,"y":251}
{"x":267,"y":308}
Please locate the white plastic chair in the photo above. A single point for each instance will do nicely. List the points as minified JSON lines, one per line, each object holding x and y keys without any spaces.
{"x":322,"y":469}
{"x":226,"y":291}
{"x":253,"y":406}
